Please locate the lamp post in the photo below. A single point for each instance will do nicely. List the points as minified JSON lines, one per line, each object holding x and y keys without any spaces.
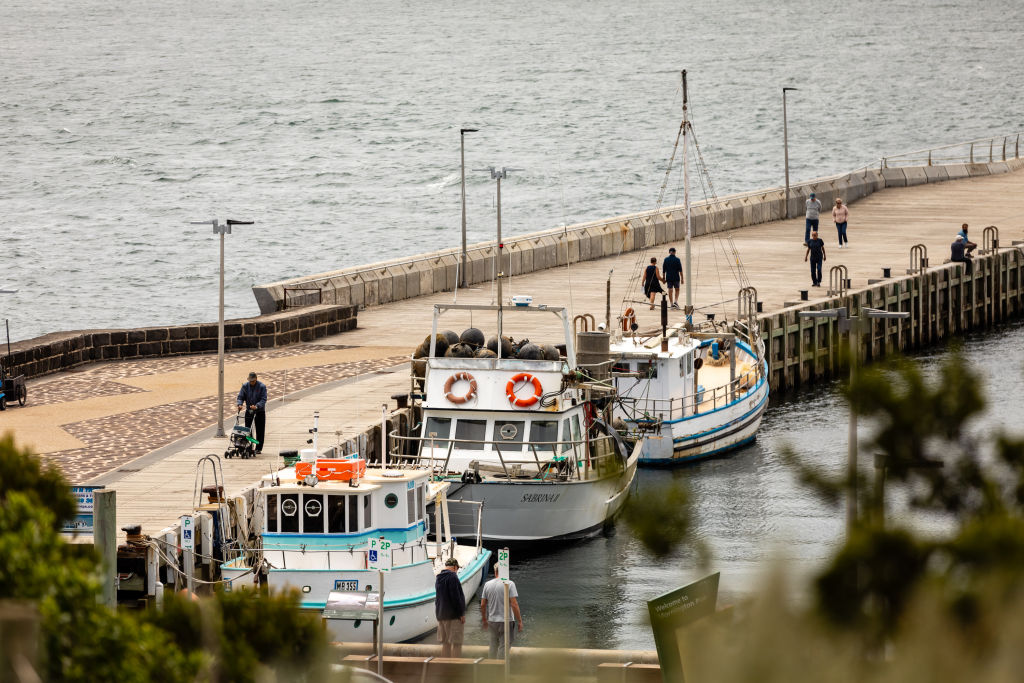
{"x":462,"y":166}
{"x":853,"y":325}
{"x":785,"y":142}
{"x":499,"y":175}
{"x":221,"y":229}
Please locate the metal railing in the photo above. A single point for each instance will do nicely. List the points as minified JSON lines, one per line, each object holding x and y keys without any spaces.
{"x":706,"y":401}
{"x":982,"y":150}
{"x":568,"y":460}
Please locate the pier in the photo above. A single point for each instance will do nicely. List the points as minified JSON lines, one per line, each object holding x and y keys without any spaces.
{"x":140,"y":425}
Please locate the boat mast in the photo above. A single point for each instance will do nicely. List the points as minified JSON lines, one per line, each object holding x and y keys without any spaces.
{"x":686,"y":203}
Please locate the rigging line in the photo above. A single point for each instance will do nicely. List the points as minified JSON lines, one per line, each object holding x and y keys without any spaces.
{"x":565,"y":236}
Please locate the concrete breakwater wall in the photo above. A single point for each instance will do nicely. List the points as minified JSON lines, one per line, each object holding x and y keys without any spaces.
{"x":398,"y":279}
{"x":64,"y":350}
{"x":943,"y":302}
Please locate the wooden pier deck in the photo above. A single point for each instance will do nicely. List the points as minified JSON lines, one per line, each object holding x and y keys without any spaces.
{"x":142,"y":425}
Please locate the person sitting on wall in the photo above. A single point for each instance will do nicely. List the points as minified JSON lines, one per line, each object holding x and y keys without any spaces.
{"x":959,"y":253}
{"x":968,"y":244}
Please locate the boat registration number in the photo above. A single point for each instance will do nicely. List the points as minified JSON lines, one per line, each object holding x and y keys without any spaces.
{"x":346,"y":585}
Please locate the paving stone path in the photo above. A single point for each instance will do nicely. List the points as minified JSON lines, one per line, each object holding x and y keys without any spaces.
{"x":113,"y":441}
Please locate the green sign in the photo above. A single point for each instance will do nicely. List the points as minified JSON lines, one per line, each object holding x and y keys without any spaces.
{"x":671,"y":613}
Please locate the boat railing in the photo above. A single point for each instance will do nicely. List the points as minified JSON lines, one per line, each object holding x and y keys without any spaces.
{"x":704,"y":401}
{"x":562,"y":460}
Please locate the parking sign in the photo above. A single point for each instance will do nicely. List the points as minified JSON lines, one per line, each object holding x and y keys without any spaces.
{"x":503,"y":564}
{"x":379,"y":554}
{"x":188,"y":537}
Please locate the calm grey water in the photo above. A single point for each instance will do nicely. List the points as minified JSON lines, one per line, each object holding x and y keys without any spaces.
{"x":334,"y":124}
{"x":752,"y":513}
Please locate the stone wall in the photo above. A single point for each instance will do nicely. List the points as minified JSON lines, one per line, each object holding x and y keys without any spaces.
{"x":398,"y":279}
{"x":63,"y":350}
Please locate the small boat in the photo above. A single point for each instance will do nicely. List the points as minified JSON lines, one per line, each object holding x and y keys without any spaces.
{"x":692,"y":390}
{"x":317,"y":519}
{"x":524,"y":434}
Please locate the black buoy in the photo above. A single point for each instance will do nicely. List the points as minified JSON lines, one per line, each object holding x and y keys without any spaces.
{"x":485,"y":353}
{"x":506,"y":346}
{"x":441,"y":345}
{"x":460,"y":351}
{"x":550,"y":352}
{"x":473,"y":337}
{"x":451,"y":337}
{"x":530,"y":352}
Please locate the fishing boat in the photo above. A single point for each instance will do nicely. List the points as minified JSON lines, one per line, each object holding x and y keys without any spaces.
{"x":690,"y":391}
{"x":520,"y":430}
{"x":316,"y":522}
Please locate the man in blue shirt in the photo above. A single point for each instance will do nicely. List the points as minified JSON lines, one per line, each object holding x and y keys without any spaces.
{"x":253,"y":395}
{"x":816,"y":252}
{"x":672,"y":269}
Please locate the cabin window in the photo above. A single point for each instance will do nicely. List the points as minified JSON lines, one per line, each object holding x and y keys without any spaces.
{"x":390,"y":501}
{"x":621,"y":366}
{"x":353,"y":514}
{"x":576,"y":429}
{"x":544,"y":431}
{"x":470,"y":430}
{"x":508,"y":435}
{"x":336,"y":514}
{"x":685,"y":365}
{"x":367,"y":517}
{"x":648,"y":370}
{"x":272,"y":513}
{"x":410,"y":500}
{"x":290,"y":513}
{"x":421,"y":508}
{"x":438,"y":427}
{"x":312,"y":514}
{"x":566,"y":435}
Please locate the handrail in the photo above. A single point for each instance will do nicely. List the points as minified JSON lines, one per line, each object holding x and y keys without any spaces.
{"x":969,"y":155}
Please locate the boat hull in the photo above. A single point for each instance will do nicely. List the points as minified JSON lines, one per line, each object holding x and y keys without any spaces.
{"x":529,"y":510}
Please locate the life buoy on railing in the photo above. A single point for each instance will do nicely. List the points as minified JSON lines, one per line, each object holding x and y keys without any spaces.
{"x":628,"y":320}
{"x":510,"y":390}
{"x":463,"y":376}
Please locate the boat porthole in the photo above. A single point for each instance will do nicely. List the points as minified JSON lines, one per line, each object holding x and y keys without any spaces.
{"x":392,"y":622}
{"x":390,"y":500}
{"x":369,"y":588}
{"x":356,"y":625}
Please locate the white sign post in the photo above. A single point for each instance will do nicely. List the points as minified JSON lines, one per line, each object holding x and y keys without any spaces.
{"x":188,"y":545}
{"x":504,"y":577}
{"x":378,"y":556}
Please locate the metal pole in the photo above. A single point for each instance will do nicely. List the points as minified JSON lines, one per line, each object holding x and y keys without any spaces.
{"x":105,"y":541}
{"x":380,"y":624}
{"x":383,"y":436}
{"x":785,"y":146}
{"x":686,"y":204}
{"x":608,"y":303}
{"x":498,"y":269}
{"x":507,"y":638}
{"x":220,"y":337}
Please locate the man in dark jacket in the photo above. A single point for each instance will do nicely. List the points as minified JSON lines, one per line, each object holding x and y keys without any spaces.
{"x":253,"y":395}
{"x":450,"y":609}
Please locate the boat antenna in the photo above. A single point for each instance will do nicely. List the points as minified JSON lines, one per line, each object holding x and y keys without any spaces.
{"x":686,"y":204}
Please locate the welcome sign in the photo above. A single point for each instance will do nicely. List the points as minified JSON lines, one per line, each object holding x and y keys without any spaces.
{"x":671,"y":613}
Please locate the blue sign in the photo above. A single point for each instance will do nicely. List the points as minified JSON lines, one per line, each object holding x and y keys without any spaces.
{"x":373,"y":556}
{"x":83,"y":520}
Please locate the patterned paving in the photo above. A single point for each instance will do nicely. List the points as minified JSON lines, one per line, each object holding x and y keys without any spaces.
{"x":74,"y":387}
{"x":114,"y":441}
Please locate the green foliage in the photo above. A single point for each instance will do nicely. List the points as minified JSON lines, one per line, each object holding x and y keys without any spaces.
{"x":229,"y":637}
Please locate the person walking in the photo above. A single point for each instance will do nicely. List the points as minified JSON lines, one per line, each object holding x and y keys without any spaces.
{"x":816,"y":252}
{"x":672,"y":268}
{"x":813,"y":210}
{"x":652,"y":280}
{"x":450,"y":609}
{"x":492,"y":613}
{"x":253,"y":395}
{"x":840,"y":214}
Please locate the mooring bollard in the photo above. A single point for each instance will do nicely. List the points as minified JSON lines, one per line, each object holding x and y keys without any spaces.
{"x":803,"y":294}
{"x":886,"y":272}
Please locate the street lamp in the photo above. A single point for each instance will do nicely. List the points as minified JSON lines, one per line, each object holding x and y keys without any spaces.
{"x":221,"y":229}
{"x":462,"y":166}
{"x":853,"y":326}
{"x":785,"y":142}
{"x":499,"y":176}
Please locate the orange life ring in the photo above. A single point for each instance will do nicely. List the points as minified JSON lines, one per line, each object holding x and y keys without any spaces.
{"x":457,"y":400}
{"x":628,"y":318}
{"x":510,"y":390}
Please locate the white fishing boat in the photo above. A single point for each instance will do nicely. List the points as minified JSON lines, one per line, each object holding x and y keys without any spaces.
{"x":691,"y":391}
{"x":316,"y":526}
{"x":522,"y":435}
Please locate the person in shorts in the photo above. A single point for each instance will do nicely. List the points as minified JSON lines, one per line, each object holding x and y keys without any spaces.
{"x":672,"y":268}
{"x":450,"y":609}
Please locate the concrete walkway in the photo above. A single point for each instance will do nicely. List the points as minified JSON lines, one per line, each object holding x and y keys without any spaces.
{"x":140,"y":426}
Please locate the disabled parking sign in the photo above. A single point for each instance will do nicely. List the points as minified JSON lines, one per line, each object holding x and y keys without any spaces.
{"x":378,"y":554}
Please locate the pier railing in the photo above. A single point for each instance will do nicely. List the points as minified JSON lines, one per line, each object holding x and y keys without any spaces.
{"x":982,"y":150}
